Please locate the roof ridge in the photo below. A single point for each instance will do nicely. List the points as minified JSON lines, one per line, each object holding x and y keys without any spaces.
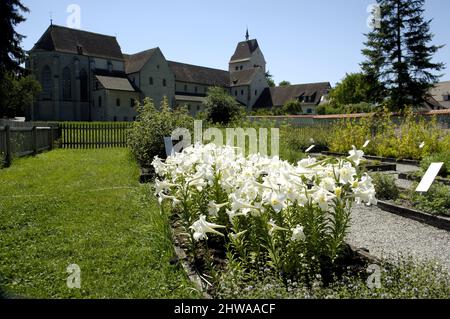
{"x":140,"y":52}
{"x":198,"y":66}
{"x":84,"y":31}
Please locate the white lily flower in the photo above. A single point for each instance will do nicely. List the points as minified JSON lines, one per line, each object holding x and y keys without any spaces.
{"x":277,"y":201}
{"x":213,"y":208}
{"x":356,"y":155}
{"x":202,"y":227}
{"x":298,"y":234}
{"x":274,"y":228}
{"x":322,"y":197}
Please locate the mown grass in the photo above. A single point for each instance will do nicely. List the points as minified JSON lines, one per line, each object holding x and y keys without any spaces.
{"x":84,"y":207}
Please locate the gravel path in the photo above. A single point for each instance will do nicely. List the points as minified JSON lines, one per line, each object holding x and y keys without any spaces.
{"x":387,"y":235}
{"x":405,"y":168}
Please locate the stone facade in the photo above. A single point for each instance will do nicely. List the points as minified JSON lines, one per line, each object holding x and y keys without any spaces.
{"x":86,"y":77}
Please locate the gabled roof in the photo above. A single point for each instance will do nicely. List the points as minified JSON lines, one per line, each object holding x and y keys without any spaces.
{"x":115,"y":83}
{"x":244,"y":50}
{"x":199,"y":74}
{"x":67,"y":40}
{"x":244,"y":77}
{"x":278,"y":96}
{"x":439,"y":91}
{"x":135,"y":62}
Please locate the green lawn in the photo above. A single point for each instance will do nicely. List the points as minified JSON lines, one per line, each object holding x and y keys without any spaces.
{"x":84,"y":207}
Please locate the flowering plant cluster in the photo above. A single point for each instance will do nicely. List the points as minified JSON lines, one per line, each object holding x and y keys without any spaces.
{"x":293,"y":218}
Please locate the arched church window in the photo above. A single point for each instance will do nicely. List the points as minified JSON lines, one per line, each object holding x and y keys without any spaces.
{"x":66,"y":84}
{"x":83,"y":85}
{"x":46,"y":79}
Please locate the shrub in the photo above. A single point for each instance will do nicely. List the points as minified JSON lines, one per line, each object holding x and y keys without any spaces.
{"x":385,"y":186}
{"x":146,"y":137}
{"x":292,"y":107}
{"x":362,"y":107}
{"x":388,"y":139}
{"x":2,"y":160}
{"x":438,"y":158}
{"x":300,"y":138}
{"x":436,"y":201}
{"x":220,"y":107}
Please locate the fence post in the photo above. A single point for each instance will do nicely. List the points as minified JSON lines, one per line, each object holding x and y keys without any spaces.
{"x":8,"y":154}
{"x":34,"y":138}
{"x":51,"y":138}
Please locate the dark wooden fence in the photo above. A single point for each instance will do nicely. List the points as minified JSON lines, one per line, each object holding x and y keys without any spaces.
{"x":25,"y":140}
{"x":93,"y":135}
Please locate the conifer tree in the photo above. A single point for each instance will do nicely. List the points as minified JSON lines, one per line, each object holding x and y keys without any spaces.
{"x":399,"y":54}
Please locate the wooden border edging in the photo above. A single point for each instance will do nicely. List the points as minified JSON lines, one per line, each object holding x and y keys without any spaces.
{"x":425,"y":218}
{"x":379,"y":158}
{"x":193,"y":276}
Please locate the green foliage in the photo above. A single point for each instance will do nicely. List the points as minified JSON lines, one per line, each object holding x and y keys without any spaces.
{"x":353,"y":89}
{"x":146,"y":137}
{"x":2,"y":160}
{"x":220,"y":107}
{"x":300,"y":138}
{"x":11,"y":53}
{"x":84,"y":207}
{"x":284,"y":83}
{"x":436,"y":201}
{"x":329,"y":108}
{"x":385,"y":186}
{"x":442,"y":157}
{"x":292,"y":107}
{"x":18,"y":92}
{"x":269,"y":79}
{"x":388,"y":139}
{"x":403,"y":279}
{"x":400,"y":54}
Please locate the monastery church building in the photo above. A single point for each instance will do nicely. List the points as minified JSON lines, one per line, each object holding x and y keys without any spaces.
{"x":86,"y":77}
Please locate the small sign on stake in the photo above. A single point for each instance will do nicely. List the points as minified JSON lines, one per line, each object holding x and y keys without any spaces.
{"x":429,"y":177}
{"x":168,"y":143}
{"x":309,"y":148}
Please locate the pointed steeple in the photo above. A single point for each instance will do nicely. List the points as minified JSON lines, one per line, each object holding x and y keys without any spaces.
{"x":247,"y":37}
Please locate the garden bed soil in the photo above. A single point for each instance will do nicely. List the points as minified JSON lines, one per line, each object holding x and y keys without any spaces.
{"x":441,"y":222}
{"x":416,"y":178}
{"x":354,"y":259}
{"x":147,"y":175}
{"x":381,"y":159}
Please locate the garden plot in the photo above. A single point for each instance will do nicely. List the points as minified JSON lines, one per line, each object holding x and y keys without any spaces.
{"x":244,"y":220}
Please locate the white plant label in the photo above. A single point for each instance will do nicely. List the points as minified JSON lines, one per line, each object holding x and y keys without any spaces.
{"x":309,"y":148}
{"x":366,"y":144}
{"x":429,"y":177}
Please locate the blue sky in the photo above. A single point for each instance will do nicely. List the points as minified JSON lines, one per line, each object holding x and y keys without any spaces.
{"x":303,"y":41}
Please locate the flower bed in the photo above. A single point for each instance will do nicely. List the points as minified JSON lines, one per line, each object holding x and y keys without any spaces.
{"x":257,"y":210}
